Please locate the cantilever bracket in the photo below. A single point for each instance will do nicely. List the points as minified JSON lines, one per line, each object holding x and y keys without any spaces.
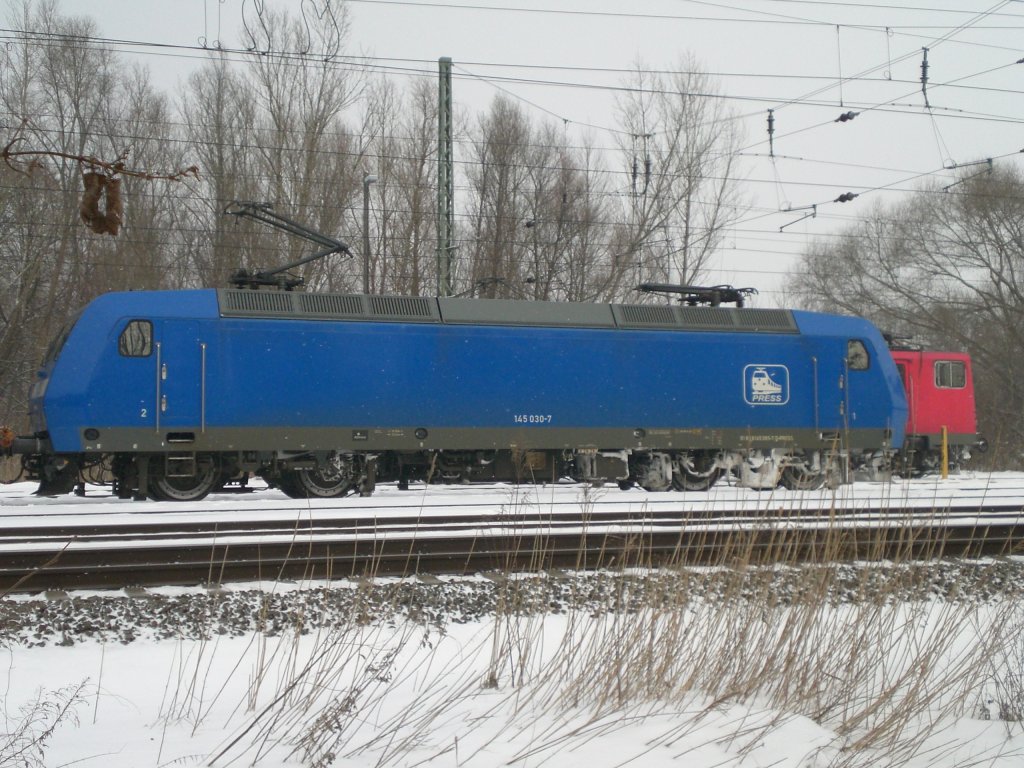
{"x":813,"y":213}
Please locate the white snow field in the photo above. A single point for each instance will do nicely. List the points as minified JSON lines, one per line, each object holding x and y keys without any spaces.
{"x":864,"y":664}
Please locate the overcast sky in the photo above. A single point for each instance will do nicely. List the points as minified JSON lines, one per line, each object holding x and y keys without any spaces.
{"x":787,"y":55}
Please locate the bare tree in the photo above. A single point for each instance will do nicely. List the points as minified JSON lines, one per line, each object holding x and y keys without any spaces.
{"x":404,"y":198}
{"x":219,"y":118}
{"x":569,"y":256}
{"x":680,"y":150}
{"x":538,"y":222}
{"x":308,"y":163}
{"x":59,"y":94}
{"x":498,"y":175}
{"x":141,"y":131}
{"x":273,"y":130}
{"x":68,"y":99}
{"x":589,"y":270}
{"x":948,"y":269}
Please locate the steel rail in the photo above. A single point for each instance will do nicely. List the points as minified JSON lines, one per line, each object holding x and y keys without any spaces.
{"x":333,"y":543}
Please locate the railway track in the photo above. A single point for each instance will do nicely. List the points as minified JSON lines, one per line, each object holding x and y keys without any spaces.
{"x":99,"y":542}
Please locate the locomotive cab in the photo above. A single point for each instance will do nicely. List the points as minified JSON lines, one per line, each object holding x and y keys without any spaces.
{"x":940,"y":397}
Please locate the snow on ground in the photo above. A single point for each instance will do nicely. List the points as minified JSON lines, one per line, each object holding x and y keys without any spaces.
{"x":861,"y":665}
{"x":407,"y":694}
{"x":17,"y":499}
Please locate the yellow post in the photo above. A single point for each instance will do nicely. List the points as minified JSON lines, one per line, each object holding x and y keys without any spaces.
{"x":945,"y":453}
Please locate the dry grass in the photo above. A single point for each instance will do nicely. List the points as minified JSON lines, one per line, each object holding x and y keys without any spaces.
{"x":25,"y":735}
{"x":883,"y":675}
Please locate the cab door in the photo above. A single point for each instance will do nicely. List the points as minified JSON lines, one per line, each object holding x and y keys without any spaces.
{"x":839,"y":371}
{"x":181,"y":379}
{"x":132,"y":376}
{"x":830,"y":390}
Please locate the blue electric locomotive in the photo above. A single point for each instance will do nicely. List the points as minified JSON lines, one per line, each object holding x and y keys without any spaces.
{"x":323,"y":394}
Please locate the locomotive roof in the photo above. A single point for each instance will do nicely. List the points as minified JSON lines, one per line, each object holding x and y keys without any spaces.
{"x":422,"y":309}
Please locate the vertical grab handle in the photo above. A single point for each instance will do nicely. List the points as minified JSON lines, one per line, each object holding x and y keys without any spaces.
{"x":159,"y":374}
{"x":202,"y":388}
{"x":817,"y":407}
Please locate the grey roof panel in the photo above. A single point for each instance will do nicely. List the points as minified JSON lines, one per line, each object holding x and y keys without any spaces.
{"x":404,"y":308}
{"x":644,"y":316}
{"x":511,"y":312}
{"x":422,"y":309}
{"x":765,"y":320}
{"x":330,"y":304}
{"x":296,"y":305}
{"x":708,"y":318}
{"x":254,"y":303}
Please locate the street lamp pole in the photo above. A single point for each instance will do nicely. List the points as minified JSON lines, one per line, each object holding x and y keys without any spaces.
{"x":368,"y":179}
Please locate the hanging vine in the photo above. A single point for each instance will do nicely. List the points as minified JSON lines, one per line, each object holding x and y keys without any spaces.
{"x":102,"y":206}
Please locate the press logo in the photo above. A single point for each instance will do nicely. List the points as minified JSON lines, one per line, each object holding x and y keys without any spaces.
{"x":766,"y":384}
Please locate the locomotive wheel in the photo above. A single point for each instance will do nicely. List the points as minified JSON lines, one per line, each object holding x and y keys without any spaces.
{"x":655,"y":487}
{"x":798,"y":477}
{"x":336,"y":478}
{"x":686,"y":481}
{"x":314,"y":484}
{"x":190,"y":488}
{"x":695,"y":473}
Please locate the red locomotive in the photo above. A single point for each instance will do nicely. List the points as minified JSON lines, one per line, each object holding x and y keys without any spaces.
{"x":940,"y":397}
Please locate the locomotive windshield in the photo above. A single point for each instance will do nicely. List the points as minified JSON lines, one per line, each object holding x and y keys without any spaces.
{"x":857,"y":356}
{"x":136,"y":340}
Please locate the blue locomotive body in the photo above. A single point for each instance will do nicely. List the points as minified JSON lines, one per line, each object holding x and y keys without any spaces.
{"x":184,"y":388}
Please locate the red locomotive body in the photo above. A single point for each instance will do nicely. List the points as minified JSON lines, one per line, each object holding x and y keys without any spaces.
{"x":940,"y":394}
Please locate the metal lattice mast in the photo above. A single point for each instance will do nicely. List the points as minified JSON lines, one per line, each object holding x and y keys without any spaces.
{"x":445,"y":178}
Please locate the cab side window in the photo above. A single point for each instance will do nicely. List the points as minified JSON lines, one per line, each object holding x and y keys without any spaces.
{"x":136,"y":340}
{"x":857,"y":357}
{"x":950,"y":374}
